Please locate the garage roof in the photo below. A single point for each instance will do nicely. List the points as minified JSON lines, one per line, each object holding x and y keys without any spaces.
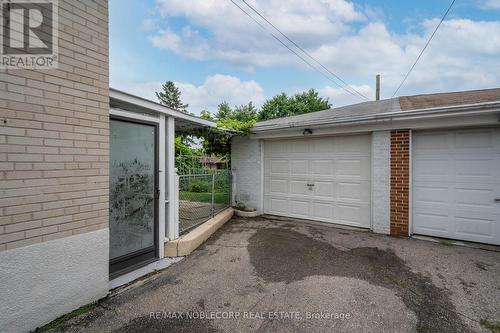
{"x":449,"y":99}
{"x":385,"y":108}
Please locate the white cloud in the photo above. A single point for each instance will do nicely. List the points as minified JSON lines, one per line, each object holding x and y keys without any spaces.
{"x":142,"y":89}
{"x":339,"y":97}
{"x":149,"y":24}
{"x":234,"y":37}
{"x":188,"y":42}
{"x":216,"y":89}
{"x":463,"y":55}
{"x":491,"y":4}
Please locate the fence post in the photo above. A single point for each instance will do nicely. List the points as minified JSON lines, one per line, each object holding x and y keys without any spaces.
{"x":176,"y":204}
{"x":232,"y":188}
{"x":212,"y":208}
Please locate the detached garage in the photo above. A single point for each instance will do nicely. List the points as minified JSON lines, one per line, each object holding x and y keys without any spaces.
{"x":426,"y":164}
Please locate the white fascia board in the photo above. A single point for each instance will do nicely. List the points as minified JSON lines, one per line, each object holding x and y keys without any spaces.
{"x":133,"y":115}
{"x":454,"y":111}
{"x":155,"y":107}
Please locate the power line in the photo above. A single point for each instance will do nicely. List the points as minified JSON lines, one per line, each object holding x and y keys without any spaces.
{"x":304,"y":51}
{"x":425,"y":47}
{"x":291,"y":50}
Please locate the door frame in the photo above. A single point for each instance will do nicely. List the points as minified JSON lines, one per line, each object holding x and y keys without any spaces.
{"x":131,"y":261}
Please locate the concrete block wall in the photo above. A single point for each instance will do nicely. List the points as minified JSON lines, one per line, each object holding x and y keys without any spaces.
{"x":54,"y":137}
{"x":54,"y":133}
{"x":381,"y":175}
{"x":246,"y":167}
{"x":400,"y":181}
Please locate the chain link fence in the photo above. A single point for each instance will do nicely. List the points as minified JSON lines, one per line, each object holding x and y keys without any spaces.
{"x":202,"y":196}
{"x":200,"y":164}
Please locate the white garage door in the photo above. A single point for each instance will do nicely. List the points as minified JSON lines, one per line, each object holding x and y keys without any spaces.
{"x":323,"y":179}
{"x":456,"y":179}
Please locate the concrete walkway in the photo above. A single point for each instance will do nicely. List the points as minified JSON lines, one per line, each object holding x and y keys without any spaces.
{"x":275,"y":275}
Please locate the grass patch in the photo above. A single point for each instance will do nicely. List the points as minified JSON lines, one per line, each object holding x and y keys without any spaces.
{"x":204,"y":197}
{"x":446,"y":242}
{"x":60,"y":320}
{"x":491,"y":325}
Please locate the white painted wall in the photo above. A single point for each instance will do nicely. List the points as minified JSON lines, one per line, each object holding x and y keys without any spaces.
{"x":43,"y":281}
{"x":381,"y":184}
{"x":162,"y":184}
{"x":246,"y":165}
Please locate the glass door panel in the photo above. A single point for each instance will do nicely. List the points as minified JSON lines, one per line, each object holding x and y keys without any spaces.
{"x":132,"y":200}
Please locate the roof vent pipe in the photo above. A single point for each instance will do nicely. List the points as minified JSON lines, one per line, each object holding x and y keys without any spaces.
{"x":377,"y":88}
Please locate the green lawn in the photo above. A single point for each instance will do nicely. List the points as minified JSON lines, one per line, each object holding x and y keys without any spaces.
{"x":204,"y":197}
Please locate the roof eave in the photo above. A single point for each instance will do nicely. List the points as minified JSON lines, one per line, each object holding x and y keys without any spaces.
{"x":478,"y":108}
{"x":132,"y":100}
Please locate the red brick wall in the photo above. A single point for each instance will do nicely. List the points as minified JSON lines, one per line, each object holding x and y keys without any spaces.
{"x":400,"y":178}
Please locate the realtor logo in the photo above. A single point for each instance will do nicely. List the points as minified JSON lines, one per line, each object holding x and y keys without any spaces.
{"x":29,"y":34}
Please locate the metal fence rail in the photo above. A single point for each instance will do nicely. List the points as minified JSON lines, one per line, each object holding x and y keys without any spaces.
{"x":200,"y":164}
{"x":202,"y":196}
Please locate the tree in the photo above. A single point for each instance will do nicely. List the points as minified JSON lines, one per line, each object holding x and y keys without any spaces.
{"x":171,"y":96}
{"x":283,"y":106}
{"x":224,"y":111}
{"x":276,"y":107}
{"x":245,"y":113}
{"x":240,"y":119}
{"x":310,"y":101}
{"x":205,"y":114}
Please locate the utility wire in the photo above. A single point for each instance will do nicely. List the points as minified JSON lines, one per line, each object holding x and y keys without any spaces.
{"x":425,"y":47}
{"x":304,"y":51}
{"x":291,"y":50}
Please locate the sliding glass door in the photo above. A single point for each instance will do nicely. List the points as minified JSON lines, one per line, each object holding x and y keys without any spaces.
{"x":133,"y":187}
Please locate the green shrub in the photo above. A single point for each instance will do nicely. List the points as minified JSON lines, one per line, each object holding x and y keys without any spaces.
{"x":197,"y":185}
{"x":222,"y":182}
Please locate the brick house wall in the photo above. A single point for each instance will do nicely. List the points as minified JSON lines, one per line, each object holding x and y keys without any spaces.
{"x":54,"y":136}
{"x":400,"y":179}
{"x":54,"y":132}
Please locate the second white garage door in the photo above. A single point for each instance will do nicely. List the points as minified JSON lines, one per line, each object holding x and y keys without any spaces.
{"x":323,"y":179}
{"x":456,"y":184}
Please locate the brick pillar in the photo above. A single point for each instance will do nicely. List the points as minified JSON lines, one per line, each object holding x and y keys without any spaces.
{"x":400,"y":178}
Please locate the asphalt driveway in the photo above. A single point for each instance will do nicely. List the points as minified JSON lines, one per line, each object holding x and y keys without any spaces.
{"x":275,"y":275}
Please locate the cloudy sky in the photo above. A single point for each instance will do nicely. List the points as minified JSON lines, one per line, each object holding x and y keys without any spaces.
{"x":214,"y":52}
